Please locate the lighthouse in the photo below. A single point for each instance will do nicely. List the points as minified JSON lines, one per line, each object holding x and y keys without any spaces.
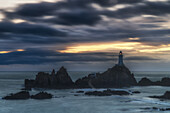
{"x":120,"y":62}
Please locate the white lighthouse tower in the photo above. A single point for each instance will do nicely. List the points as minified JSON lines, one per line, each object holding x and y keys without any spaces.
{"x":120,"y":62}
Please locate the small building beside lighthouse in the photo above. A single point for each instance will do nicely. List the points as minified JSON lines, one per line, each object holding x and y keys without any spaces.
{"x":120,"y":62}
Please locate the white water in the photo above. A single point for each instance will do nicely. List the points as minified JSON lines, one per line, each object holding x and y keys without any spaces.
{"x":66,"y":102}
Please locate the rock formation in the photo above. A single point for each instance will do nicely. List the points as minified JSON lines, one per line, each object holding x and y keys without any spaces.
{"x":156,"y":109}
{"x":59,"y":80}
{"x":42,"y":95}
{"x":118,"y":76}
{"x":165,"y":96}
{"x":146,"y":82}
{"x":107,"y":92}
{"x":29,"y":84}
{"x":18,"y":96}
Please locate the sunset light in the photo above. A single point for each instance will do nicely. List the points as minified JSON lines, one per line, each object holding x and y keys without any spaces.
{"x":100,"y":47}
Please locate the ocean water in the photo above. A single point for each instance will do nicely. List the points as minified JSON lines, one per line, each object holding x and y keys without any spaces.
{"x":66,"y":102}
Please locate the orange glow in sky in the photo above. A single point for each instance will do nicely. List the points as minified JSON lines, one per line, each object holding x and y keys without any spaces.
{"x":4,"y":52}
{"x":20,"y":50}
{"x":96,"y":47}
{"x":100,"y":47}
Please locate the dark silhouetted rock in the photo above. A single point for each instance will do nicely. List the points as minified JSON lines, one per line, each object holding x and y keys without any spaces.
{"x":53,"y":72}
{"x":84,"y":82}
{"x":145,"y":82}
{"x":118,"y":76}
{"x":60,"y":80}
{"x":18,"y":96}
{"x":63,"y":79}
{"x":42,"y":95}
{"x":137,"y":92}
{"x":165,"y":96}
{"x":26,"y":89}
{"x":79,"y":91}
{"x":156,"y":109}
{"x":107,"y":92}
{"x":29,"y":84}
{"x":165,"y":81}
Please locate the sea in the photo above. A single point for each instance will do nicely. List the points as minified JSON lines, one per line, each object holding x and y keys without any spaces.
{"x":65,"y":101}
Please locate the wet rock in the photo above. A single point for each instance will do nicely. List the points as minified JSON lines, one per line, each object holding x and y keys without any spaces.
{"x":26,"y":89}
{"x":42,"y":95}
{"x":79,"y":91}
{"x":18,"y":96}
{"x":156,"y":109}
{"x":107,"y":92}
{"x":165,"y":96}
{"x":136,"y":92}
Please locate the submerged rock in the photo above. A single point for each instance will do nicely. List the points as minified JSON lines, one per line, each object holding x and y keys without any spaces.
{"x":118,"y":76}
{"x":18,"y":96}
{"x":107,"y":92}
{"x":42,"y":95}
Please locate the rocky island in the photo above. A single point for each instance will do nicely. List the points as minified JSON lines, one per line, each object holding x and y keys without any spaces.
{"x":117,"y":76}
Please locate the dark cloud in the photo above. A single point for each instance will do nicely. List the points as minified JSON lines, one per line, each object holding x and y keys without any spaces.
{"x":56,"y":25}
{"x":150,"y":8}
{"x":75,"y":18}
{"x":38,"y":56}
{"x":25,"y":28}
{"x":139,"y":58}
{"x":33,"y":10}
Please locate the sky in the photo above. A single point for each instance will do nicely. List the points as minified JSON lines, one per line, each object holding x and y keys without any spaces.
{"x":84,"y":35}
